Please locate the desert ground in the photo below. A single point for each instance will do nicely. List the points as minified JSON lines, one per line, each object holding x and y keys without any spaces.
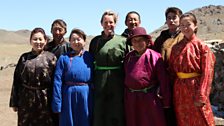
{"x":9,"y":54}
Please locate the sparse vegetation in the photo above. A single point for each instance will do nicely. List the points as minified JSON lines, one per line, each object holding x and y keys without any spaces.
{"x":210,"y":25}
{"x":14,"y":43}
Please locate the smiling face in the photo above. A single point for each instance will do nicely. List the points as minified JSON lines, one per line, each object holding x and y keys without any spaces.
{"x":77,"y":42}
{"x":108,"y":24}
{"x":139,"y":44}
{"x":187,"y":27}
{"x":58,"y":32}
{"x":132,"y":21}
{"x":38,"y":42}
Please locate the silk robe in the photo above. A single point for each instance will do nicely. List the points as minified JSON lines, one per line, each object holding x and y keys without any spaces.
{"x":190,"y":56}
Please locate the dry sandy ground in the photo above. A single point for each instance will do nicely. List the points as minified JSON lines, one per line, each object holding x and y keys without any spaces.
{"x":9,"y":53}
{"x":7,"y":116}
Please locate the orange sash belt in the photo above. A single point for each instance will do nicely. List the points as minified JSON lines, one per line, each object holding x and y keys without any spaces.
{"x":182,"y":75}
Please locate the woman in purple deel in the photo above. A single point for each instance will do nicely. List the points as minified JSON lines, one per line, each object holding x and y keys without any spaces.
{"x":146,"y":84}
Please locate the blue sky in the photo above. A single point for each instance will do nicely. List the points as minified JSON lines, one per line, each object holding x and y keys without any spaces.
{"x":86,"y":14}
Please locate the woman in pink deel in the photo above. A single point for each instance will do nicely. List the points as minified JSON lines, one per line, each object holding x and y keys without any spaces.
{"x":146,"y":84}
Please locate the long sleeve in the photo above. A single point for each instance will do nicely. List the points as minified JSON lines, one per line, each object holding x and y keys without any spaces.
{"x":207,"y":72}
{"x":93,"y":46}
{"x":160,"y":40}
{"x":164,"y":81}
{"x":14,"y":98}
{"x":57,"y":93}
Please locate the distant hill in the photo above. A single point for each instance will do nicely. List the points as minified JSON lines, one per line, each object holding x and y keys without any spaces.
{"x":210,"y":26}
{"x":21,"y":36}
{"x":210,"y":23}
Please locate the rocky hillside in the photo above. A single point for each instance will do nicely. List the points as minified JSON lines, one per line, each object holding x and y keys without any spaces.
{"x":210,"y":22}
{"x":210,"y":28}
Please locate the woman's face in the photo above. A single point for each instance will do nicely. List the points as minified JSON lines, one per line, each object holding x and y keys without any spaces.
{"x":173,"y":21}
{"x":187,"y":27}
{"x":139,"y":44}
{"x":77,"y":42}
{"x":132,"y":21}
{"x":38,"y":42}
{"x":108,"y":25}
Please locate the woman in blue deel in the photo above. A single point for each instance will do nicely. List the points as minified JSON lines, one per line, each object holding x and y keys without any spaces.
{"x":72,"y":95}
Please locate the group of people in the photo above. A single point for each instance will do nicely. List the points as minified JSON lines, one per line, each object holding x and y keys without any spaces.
{"x":122,"y":80}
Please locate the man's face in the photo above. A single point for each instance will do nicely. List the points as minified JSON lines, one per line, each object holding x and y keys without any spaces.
{"x":57,"y":31}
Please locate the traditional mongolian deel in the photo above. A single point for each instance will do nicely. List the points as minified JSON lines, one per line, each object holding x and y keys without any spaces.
{"x":58,"y":50}
{"x":108,"y":80}
{"x":193,"y":62}
{"x":164,"y":43}
{"x":144,"y":74}
{"x":31,"y":91}
{"x":72,"y":92}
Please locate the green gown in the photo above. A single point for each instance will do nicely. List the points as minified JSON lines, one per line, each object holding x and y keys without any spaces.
{"x":108,"y":80}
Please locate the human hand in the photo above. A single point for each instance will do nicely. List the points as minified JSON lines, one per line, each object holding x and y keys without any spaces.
{"x":15,"y":109}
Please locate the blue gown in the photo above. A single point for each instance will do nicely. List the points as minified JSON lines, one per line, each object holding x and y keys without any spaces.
{"x":72,"y":92}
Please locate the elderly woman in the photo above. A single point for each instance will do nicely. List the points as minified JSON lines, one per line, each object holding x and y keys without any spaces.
{"x":72,"y":92}
{"x":108,"y":50}
{"x":145,"y":75}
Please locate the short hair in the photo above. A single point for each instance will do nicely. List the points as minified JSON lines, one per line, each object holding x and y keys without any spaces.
{"x":61,"y":23}
{"x":174,"y":10}
{"x":110,"y":13}
{"x":36,"y":30}
{"x":132,"y":12}
{"x":78,"y":32}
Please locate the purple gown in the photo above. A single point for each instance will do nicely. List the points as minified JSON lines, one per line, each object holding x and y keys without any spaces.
{"x":144,"y":74}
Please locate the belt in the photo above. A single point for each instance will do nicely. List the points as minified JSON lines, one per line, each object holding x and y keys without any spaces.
{"x":182,"y":75}
{"x":144,"y":90}
{"x":106,"y":67}
{"x":34,"y":88}
{"x":75,"y":83}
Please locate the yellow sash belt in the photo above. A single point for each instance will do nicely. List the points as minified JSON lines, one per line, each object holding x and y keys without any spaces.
{"x":182,"y":75}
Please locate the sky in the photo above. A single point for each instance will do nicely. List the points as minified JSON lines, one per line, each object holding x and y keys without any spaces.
{"x":86,"y":14}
